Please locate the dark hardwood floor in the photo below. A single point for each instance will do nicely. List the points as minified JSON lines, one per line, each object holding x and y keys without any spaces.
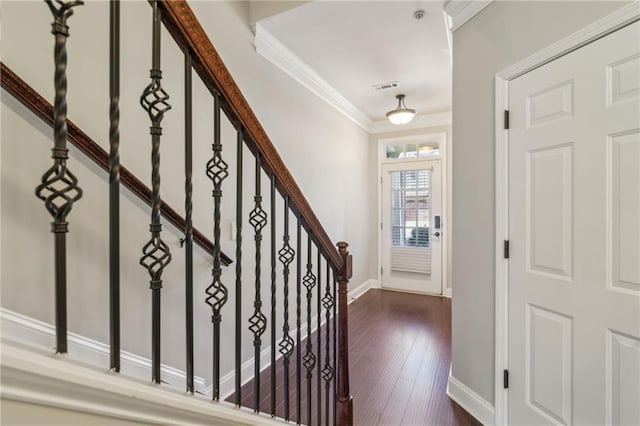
{"x":400,"y":351}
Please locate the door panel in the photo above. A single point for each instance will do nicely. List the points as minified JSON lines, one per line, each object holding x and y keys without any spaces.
{"x":411,"y":236}
{"x":574,"y":229}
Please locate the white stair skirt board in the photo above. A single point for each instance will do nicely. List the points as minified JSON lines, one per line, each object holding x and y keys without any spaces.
{"x":22,"y":329}
{"x":37,"y":377}
{"x":473,"y":403}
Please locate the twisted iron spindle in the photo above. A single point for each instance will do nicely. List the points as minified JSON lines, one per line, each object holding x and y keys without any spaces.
{"x":59,"y":187}
{"x":319,"y":337}
{"x":238,"y":350}
{"x":309,"y":359}
{"x":156,"y":254}
{"x":286,"y":255}
{"x":188,"y":216}
{"x":335,"y":347}
{"x":114,"y":184}
{"x":327,"y":371}
{"x":217,"y":171}
{"x":258,"y":220}
{"x":273,"y":295}
{"x":298,"y":321}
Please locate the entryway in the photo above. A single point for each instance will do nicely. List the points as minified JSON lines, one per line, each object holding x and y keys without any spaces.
{"x":411,"y":215}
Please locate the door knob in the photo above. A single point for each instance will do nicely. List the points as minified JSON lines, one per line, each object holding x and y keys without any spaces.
{"x":436,"y":234}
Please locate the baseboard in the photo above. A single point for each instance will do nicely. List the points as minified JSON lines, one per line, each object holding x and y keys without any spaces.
{"x":31,"y":332}
{"x":470,"y":401}
{"x":447,"y":292}
{"x":362,"y":289}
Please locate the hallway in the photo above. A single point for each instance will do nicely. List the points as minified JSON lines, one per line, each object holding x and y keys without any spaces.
{"x":400,"y":356}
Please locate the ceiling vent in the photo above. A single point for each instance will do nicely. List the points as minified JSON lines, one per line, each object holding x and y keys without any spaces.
{"x":385,"y":86}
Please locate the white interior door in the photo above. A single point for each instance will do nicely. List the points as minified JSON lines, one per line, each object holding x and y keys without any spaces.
{"x":574,"y":229}
{"x":412,"y":226}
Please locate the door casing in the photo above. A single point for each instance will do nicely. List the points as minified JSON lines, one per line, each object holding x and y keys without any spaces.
{"x":618,"y":19}
{"x":445,"y":163}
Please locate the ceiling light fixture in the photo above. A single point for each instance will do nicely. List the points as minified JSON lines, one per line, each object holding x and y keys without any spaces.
{"x":402,"y":114}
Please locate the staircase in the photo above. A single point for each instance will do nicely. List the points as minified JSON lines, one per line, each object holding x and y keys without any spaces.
{"x":283,"y":259}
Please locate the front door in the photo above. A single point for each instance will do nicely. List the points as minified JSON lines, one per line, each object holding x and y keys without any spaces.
{"x":574,"y":229}
{"x":412,"y":226}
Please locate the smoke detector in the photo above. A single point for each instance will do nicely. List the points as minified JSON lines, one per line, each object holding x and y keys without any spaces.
{"x":385,"y":86}
{"x":418,"y":14}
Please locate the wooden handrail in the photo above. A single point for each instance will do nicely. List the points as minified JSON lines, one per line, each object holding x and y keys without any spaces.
{"x":38,"y":105}
{"x":186,"y":30}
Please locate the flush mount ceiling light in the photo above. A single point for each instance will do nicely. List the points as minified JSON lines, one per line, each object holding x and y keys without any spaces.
{"x":402,"y":114}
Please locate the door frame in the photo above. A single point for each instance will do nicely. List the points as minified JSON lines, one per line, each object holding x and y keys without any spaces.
{"x":592,"y":32}
{"x":443,"y":141}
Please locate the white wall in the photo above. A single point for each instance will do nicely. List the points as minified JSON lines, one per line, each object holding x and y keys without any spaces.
{"x":324,"y":151}
{"x":502,"y":34}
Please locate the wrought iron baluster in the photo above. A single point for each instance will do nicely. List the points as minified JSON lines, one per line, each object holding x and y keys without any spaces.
{"x":286,"y":255}
{"x":273,"y":295}
{"x":319,"y":337}
{"x":298,"y":320}
{"x":328,"y":371}
{"x":238,"y":365}
{"x":257,"y":219}
{"x":114,"y":184}
{"x":59,"y":187}
{"x":309,"y":281}
{"x":156,"y":254}
{"x":217,"y":171}
{"x":188,"y":217}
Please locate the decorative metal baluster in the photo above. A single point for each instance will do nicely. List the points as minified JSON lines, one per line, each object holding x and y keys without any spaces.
{"x":309,"y":359}
{"x":238,"y":361}
{"x":156,"y":254}
{"x":285,"y":255}
{"x":273,"y":295}
{"x":319,"y":336}
{"x":114,"y":184}
{"x":188,"y":217}
{"x":257,"y":219}
{"x":59,"y":187}
{"x":216,"y":292}
{"x":298,"y":320}
{"x":328,"y":371}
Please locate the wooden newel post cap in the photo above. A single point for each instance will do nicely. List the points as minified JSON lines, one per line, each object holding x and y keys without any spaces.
{"x":347,"y":271}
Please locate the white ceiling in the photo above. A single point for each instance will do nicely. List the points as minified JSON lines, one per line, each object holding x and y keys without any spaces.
{"x":353,"y":45}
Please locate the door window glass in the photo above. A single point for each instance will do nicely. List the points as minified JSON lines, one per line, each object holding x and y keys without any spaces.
{"x":410,"y":208}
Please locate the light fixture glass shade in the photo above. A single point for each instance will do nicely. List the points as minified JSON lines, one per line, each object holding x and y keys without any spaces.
{"x":402,"y":114}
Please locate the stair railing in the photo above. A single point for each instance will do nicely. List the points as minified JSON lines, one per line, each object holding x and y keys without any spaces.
{"x":60,"y":189}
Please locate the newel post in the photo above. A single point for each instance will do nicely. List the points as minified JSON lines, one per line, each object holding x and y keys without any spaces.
{"x":345,"y":400}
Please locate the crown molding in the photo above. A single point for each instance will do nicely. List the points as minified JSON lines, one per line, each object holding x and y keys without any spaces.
{"x":268,"y":46}
{"x":418,"y":122}
{"x":278,"y":54}
{"x":461,"y":11}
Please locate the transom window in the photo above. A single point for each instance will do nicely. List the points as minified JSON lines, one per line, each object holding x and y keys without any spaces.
{"x":413,"y":150}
